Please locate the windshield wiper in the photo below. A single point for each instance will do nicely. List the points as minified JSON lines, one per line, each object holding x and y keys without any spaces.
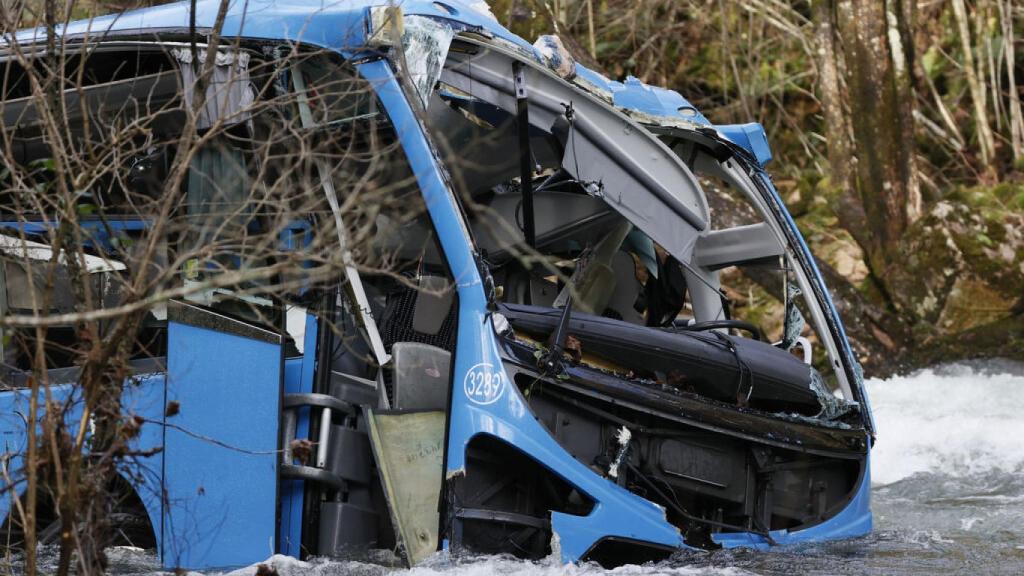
{"x":550,"y":363}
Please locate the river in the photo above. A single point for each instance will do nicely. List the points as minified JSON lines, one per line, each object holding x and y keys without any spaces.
{"x":947,"y":493}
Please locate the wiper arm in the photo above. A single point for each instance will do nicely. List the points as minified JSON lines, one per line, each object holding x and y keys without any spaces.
{"x":550,"y":363}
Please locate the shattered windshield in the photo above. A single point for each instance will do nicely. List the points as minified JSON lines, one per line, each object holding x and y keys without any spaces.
{"x":573,"y":207}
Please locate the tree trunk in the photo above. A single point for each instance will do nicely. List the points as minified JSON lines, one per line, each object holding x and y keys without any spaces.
{"x":882,"y":127}
{"x":975,"y":83}
{"x":1016,"y":117}
{"x":837,"y":124}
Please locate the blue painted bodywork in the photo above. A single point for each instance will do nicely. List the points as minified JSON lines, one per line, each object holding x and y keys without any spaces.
{"x":298,"y":379}
{"x":617,"y":512}
{"x":343,"y":26}
{"x":750,"y":137}
{"x":636,"y":96}
{"x":102,"y":233}
{"x":221,"y":505}
{"x":143,"y":397}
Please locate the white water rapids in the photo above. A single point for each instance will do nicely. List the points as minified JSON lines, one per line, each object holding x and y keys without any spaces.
{"x":947,"y":495}
{"x":955,"y":420}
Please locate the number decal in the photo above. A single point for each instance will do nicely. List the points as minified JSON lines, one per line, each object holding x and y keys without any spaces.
{"x":483,"y":384}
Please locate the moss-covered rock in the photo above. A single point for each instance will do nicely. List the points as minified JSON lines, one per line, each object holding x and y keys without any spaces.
{"x":963,"y":265}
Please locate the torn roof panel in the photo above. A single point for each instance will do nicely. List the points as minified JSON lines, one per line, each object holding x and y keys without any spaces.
{"x":343,"y":25}
{"x":338,"y":24}
{"x":634,"y":95}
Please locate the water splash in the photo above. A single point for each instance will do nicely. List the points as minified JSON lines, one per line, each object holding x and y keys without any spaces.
{"x":442,"y":565}
{"x":959,"y":420}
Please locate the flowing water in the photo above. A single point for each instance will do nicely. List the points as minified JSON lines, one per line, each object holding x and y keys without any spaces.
{"x":947,"y":494}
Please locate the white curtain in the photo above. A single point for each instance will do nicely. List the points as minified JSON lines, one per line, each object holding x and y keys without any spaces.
{"x":229,"y":93}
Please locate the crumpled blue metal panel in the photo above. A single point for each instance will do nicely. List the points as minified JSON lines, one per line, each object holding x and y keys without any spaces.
{"x":484,"y":400}
{"x":496,"y":408}
{"x":668,"y":107}
{"x":750,"y":137}
{"x":636,"y":96}
{"x":341,"y":24}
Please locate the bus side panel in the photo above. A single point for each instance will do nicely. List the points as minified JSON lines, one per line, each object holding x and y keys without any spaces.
{"x":221,"y":449}
{"x":143,"y":397}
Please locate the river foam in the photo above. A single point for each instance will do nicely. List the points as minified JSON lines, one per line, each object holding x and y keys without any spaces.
{"x":957,"y":420}
{"x":442,"y":565}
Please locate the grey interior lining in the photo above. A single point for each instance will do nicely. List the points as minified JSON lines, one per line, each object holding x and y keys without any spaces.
{"x":735,"y":246}
{"x":635,"y":173}
{"x":556,"y":215}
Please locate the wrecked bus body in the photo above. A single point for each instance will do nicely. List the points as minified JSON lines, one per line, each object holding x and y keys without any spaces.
{"x":563,"y":367}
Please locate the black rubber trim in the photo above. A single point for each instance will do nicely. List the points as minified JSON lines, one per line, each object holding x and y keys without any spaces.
{"x":199,"y":317}
{"x":310,"y":474}
{"x":715,"y":324}
{"x":501,"y":516}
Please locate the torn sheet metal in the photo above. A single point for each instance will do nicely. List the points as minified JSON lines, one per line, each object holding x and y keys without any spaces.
{"x":644,"y":103}
{"x":556,"y":56}
{"x":408,"y":448}
{"x":425,"y":43}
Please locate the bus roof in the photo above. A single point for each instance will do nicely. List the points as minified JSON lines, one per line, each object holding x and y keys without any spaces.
{"x":343,"y":25}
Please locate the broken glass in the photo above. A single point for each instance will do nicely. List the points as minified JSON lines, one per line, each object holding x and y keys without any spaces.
{"x":425,"y":43}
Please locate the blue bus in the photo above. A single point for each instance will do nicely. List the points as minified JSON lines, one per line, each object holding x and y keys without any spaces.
{"x":562,"y":357}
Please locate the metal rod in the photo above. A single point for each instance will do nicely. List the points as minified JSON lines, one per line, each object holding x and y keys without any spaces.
{"x":325,"y":436}
{"x":354,"y":285}
{"x":525,"y":155}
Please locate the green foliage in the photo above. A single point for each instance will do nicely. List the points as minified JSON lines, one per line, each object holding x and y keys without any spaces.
{"x":43,"y":165}
{"x":991,"y":201}
{"x":933,"y":63}
{"x":1017,"y":202}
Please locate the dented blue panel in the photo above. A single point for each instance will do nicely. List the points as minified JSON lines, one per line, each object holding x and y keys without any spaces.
{"x":750,"y":137}
{"x":143,"y":397}
{"x":633,"y":95}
